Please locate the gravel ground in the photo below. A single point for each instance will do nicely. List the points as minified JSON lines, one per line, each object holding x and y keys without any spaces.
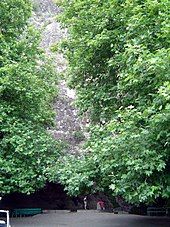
{"x":89,"y":219}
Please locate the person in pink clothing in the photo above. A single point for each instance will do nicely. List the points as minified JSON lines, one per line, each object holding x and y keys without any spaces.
{"x":100,"y":205}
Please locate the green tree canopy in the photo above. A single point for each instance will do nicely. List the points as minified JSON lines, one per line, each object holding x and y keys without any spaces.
{"x":27,"y":89}
{"x":14,"y":14}
{"x":119,"y":64}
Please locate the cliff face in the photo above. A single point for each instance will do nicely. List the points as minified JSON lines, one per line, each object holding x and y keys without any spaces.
{"x":68,"y":126}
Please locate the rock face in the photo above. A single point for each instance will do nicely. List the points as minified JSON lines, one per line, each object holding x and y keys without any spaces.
{"x":68,"y":126}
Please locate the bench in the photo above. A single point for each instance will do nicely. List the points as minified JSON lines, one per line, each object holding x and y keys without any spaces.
{"x":156,"y":211}
{"x":26,"y":212}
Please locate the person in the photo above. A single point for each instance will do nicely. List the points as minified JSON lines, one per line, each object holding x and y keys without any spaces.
{"x":100,"y":205}
{"x":85,"y":202}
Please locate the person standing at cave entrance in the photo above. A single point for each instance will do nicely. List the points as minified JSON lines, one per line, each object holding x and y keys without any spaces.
{"x":85,"y":202}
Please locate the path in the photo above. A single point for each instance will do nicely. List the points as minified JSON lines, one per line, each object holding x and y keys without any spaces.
{"x":89,"y":219}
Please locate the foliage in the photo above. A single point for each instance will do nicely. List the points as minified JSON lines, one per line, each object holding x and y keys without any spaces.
{"x":14,"y":14}
{"x":71,"y":172}
{"x":118,"y":53}
{"x":27,"y":89}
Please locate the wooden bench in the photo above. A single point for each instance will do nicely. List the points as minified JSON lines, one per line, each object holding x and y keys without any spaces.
{"x":156,"y":211}
{"x":26,"y":212}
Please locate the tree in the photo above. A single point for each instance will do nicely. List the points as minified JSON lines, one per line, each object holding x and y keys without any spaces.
{"x":118,"y":53}
{"x":27,"y":89}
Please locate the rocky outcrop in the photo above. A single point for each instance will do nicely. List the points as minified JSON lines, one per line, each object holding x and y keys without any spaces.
{"x":68,"y":125}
